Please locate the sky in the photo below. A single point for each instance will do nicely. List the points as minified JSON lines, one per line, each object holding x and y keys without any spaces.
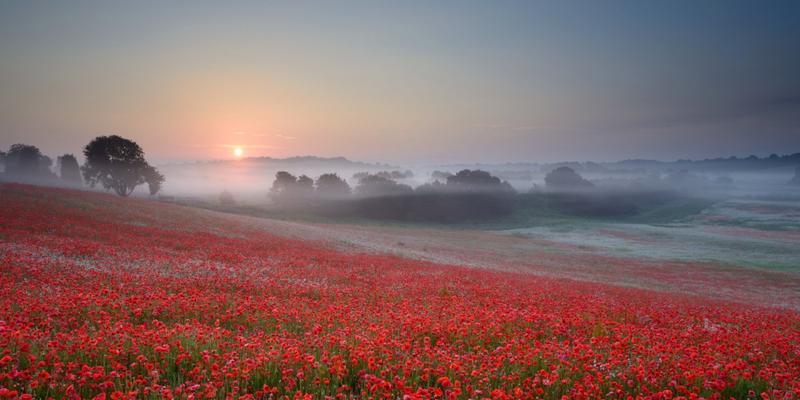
{"x":404,"y":82}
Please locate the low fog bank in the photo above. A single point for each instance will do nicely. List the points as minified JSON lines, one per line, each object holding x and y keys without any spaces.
{"x":463,"y":193}
{"x":338,"y":187}
{"x":249,"y":180}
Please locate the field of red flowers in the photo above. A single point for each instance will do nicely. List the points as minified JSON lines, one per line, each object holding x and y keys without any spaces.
{"x":102,"y":297}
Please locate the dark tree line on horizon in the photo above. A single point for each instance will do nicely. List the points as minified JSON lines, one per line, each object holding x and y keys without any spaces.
{"x":469,"y":194}
{"x":115,"y":163}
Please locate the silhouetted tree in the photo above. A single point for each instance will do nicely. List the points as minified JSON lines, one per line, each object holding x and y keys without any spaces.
{"x":566,"y":178}
{"x":331,"y":185}
{"x":118,"y":164}
{"x":283,"y":184}
{"x":154,"y":180}
{"x":2,"y":160}
{"x":69,"y":169}
{"x":477,"y":181}
{"x":226,"y":198}
{"x":304,"y":186}
{"x":440,"y":175}
{"x":289,"y":190}
{"x":27,"y":162}
{"x":374,"y":185}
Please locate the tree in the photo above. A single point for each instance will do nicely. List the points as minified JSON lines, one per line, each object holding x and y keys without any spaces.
{"x":477,"y":181}
{"x":3,"y":159}
{"x":566,"y":178}
{"x":375,"y":185}
{"x":440,"y":175}
{"x":26,"y":161}
{"x":69,"y":169}
{"x":304,"y":186}
{"x":331,"y":185}
{"x":287,"y":189}
{"x":118,"y":164}
{"x":283,"y":185}
{"x":154,"y":180}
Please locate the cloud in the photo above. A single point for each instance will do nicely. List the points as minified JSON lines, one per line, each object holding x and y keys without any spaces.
{"x":284,"y":137}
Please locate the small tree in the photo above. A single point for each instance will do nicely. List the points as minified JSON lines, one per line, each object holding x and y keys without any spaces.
{"x":118,"y":164}
{"x":566,"y":178}
{"x":283,"y":184}
{"x":289,"y":190}
{"x":69,"y":169}
{"x":477,"y":181}
{"x":331,"y":185}
{"x":304,"y":187}
{"x":375,"y":185}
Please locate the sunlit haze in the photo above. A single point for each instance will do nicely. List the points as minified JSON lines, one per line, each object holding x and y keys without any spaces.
{"x":404,"y":81}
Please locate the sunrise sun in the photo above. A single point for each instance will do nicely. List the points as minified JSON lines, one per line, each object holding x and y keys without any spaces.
{"x":238,"y":152}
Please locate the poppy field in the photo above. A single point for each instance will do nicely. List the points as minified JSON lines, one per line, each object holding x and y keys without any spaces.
{"x":110,"y":298}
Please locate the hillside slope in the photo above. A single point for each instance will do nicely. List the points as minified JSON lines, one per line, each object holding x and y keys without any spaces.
{"x":127,"y":298}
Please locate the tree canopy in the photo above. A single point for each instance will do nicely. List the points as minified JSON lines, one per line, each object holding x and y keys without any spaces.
{"x":118,"y":164}
{"x":27,"y":163}
{"x":331,"y":185}
{"x":477,"y":181}
{"x":69,"y":170}
{"x":376,"y":185}
{"x":566,"y":178}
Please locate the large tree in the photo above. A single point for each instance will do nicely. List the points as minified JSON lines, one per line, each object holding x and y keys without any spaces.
{"x":118,"y":164}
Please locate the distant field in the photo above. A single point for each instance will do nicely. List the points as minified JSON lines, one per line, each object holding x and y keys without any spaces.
{"x":743,"y":250}
{"x":751,"y":233}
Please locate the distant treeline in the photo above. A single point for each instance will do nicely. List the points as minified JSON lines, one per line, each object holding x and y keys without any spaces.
{"x":732,"y":163}
{"x":113,"y":162}
{"x":469,"y":195}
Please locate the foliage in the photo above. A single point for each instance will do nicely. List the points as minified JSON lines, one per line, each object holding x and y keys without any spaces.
{"x":288,"y":189}
{"x":376,"y":185}
{"x":477,"y":181}
{"x":331,"y":185}
{"x":118,"y":164}
{"x":69,"y":170}
{"x":566,"y":178}
{"x":27,"y":163}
